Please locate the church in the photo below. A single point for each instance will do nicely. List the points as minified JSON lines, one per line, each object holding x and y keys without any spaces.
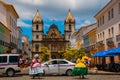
{"x":55,"y":42}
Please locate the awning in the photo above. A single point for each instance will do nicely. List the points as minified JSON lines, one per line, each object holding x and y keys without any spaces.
{"x":114,"y":51}
{"x":101,"y":54}
{"x":108,"y":53}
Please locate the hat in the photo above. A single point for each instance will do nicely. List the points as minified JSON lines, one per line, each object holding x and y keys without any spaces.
{"x":36,"y":55}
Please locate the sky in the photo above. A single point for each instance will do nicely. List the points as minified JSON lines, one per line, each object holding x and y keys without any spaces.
{"x":55,"y":11}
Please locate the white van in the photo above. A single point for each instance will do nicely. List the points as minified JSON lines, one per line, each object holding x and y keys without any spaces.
{"x":9,"y":64}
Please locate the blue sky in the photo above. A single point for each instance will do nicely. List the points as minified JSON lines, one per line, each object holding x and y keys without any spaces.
{"x":55,"y":11}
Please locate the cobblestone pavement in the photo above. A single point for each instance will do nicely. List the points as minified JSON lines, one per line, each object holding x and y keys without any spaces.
{"x":88,"y":77}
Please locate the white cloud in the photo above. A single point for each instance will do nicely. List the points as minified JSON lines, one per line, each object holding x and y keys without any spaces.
{"x":57,"y":9}
{"x":32,"y":2}
{"x":85,"y":23}
{"x":23,"y":24}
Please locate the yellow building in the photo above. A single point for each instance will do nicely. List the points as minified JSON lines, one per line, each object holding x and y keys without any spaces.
{"x":89,"y":39}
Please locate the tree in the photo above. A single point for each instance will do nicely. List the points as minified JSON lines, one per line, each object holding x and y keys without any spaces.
{"x":80,"y":53}
{"x":72,"y":53}
{"x":45,"y":54}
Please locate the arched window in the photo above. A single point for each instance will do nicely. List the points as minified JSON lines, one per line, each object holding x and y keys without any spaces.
{"x":37,"y":47}
{"x":37,"y":36}
{"x":37,"y":27}
{"x":69,"y":26}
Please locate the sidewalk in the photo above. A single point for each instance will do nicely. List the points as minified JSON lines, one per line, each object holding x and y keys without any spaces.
{"x":100,"y":72}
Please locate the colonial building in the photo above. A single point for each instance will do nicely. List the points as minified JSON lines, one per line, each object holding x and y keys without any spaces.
{"x":108,"y":29}
{"x":79,"y":43}
{"x":26,"y":49}
{"x":8,"y":30}
{"x":53,"y":39}
{"x":89,"y":38}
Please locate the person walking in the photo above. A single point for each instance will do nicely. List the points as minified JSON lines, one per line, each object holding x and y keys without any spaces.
{"x":35,"y":66}
{"x":80,"y":68}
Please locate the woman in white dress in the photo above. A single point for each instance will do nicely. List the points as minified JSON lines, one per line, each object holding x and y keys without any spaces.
{"x":36,"y":65}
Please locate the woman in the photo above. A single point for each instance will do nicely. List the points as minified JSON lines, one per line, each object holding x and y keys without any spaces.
{"x":80,"y":68}
{"x":35,"y":66}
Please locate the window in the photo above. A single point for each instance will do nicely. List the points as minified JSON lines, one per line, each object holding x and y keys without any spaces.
{"x":112,"y":29}
{"x":69,"y":26}
{"x":62,"y":62}
{"x":103,"y":34}
{"x":119,"y":8}
{"x":112,"y":13}
{"x":37,"y":47}
{"x":13,"y":59}
{"x":103,"y":19}
{"x":37,"y":27}
{"x":3,"y":59}
{"x":109,"y":32}
{"x":37,"y":36}
{"x":98,"y":23}
{"x":54,"y":62}
{"x":109,"y":15}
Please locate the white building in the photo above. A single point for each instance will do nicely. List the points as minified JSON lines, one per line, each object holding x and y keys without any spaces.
{"x":108,"y":30}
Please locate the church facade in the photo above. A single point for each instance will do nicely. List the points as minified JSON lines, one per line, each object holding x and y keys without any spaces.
{"x":53,"y":39}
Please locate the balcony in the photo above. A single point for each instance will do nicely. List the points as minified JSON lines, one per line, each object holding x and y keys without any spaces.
{"x":118,"y":37}
{"x":13,"y":45}
{"x":100,"y":43}
{"x":92,"y":46}
{"x":110,"y":41}
{"x":3,"y":43}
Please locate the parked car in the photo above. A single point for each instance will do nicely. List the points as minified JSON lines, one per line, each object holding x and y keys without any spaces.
{"x":58,"y":66}
{"x":9,"y":64}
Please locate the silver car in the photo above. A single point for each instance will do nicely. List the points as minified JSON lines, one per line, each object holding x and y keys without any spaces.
{"x":58,"y":66}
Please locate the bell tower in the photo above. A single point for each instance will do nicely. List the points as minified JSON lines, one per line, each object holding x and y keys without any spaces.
{"x":69,"y":25}
{"x":37,"y":33}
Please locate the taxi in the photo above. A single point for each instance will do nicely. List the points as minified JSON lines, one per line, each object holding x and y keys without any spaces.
{"x":58,"y":66}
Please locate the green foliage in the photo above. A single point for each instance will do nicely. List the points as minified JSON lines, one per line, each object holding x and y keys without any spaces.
{"x":72,"y":53}
{"x":45,"y":54}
